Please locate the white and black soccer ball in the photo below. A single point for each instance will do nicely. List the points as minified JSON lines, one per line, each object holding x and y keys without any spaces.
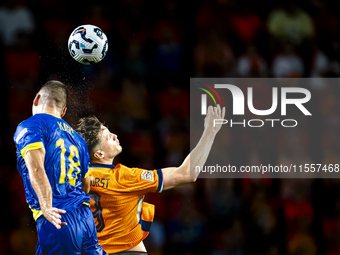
{"x":88,"y":44}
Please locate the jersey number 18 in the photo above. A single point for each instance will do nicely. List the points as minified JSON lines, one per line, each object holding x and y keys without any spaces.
{"x":73,"y":166}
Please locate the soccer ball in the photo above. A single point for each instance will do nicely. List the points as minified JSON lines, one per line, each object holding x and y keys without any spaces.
{"x":88,"y":44}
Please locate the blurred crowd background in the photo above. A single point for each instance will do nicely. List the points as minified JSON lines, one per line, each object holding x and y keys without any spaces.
{"x":141,"y":91}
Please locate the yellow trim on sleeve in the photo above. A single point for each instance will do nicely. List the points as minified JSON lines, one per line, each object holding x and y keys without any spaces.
{"x":87,"y":174}
{"x":85,"y":203}
{"x":32,"y":146}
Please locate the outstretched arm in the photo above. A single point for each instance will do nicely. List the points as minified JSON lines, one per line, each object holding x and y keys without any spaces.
{"x":34,"y":160}
{"x":174,"y":176}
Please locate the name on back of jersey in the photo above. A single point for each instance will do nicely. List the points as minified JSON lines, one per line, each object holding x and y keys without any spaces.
{"x":66,"y":128}
{"x":99,"y":182}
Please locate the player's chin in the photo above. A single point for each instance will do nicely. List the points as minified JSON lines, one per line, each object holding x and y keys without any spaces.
{"x":119,"y":149}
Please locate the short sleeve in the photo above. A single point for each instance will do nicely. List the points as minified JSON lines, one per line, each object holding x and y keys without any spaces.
{"x":28,"y":136}
{"x":139,"y":180}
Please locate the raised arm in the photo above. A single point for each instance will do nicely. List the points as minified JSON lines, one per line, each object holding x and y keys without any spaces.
{"x":34,"y":160}
{"x":174,"y":176}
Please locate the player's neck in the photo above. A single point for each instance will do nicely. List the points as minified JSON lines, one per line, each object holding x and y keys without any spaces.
{"x":47,"y":109}
{"x":102,"y":161}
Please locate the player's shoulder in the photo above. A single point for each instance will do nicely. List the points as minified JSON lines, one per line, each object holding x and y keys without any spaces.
{"x":130,"y":175}
{"x":32,"y":121}
{"x":119,"y":170}
{"x":131,"y":169}
{"x":127,"y":172}
{"x":123,"y":169}
{"x":26,"y":126}
{"x":36,"y":119}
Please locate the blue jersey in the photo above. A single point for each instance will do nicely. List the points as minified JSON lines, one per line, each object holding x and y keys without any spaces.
{"x":66,"y":160}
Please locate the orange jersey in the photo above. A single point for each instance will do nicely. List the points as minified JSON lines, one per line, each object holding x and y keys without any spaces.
{"x":122,"y":218}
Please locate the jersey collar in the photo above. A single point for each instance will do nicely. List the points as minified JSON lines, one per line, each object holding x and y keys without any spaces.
{"x":50,"y":114}
{"x":103,"y":165}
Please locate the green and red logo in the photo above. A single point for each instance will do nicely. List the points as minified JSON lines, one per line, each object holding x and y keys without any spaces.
{"x":204,"y":97}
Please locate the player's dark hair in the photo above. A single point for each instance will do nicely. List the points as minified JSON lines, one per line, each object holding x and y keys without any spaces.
{"x":89,"y":128}
{"x":56,"y":92}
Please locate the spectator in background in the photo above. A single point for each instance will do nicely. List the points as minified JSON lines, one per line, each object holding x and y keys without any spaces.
{"x":252,"y":64}
{"x":174,"y":122}
{"x":16,"y":21}
{"x":133,"y":106}
{"x":214,"y":15}
{"x":58,"y":26}
{"x":320,"y":62}
{"x":290,"y":23}
{"x":326,"y":24}
{"x":287,"y":63}
{"x":265,"y":225}
{"x":213,"y":57}
{"x":22,"y":62}
{"x":169,"y":49}
{"x":97,"y":17}
{"x":331,"y":223}
{"x":299,"y":215}
{"x":131,"y":23}
{"x":334,"y":65}
{"x":246,"y":24}
{"x":133,"y":63}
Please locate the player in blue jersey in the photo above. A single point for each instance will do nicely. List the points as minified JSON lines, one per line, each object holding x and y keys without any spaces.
{"x":53,"y":162}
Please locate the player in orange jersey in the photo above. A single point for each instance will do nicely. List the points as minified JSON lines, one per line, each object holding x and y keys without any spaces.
{"x":122,"y":218}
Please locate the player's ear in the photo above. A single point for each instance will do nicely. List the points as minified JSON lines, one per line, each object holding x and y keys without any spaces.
{"x":63,"y":112}
{"x":36,"y":99}
{"x":99,"y":154}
